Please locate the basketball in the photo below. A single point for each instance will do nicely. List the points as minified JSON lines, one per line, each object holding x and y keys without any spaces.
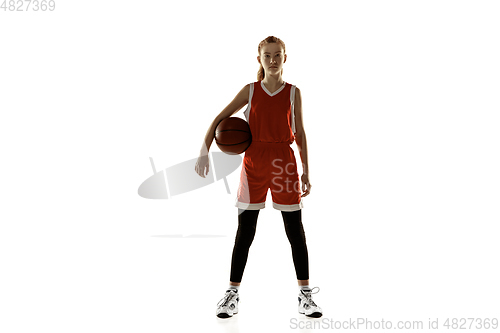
{"x":233,"y":136}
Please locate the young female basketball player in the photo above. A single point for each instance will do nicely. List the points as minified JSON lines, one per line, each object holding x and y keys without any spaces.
{"x":274,"y":114}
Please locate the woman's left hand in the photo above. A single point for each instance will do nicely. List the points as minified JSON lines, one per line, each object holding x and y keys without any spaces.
{"x":306,"y":186}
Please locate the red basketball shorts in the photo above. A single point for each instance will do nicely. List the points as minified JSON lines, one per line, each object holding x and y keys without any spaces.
{"x":269,"y":166}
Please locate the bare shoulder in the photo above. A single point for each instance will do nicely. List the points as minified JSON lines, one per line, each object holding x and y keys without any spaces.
{"x":242,"y":96}
{"x":298,"y":96}
{"x":239,"y":101}
{"x":246,"y":90}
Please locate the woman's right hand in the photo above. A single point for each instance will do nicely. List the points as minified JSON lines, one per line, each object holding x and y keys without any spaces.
{"x":202,"y":165}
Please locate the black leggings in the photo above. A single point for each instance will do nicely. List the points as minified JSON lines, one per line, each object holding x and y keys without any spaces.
{"x":247,"y":223}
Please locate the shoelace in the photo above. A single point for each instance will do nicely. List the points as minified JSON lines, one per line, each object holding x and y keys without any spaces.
{"x":227,"y":298}
{"x":308,"y":296}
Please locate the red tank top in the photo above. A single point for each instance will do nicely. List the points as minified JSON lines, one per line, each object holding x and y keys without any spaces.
{"x":270,"y":115}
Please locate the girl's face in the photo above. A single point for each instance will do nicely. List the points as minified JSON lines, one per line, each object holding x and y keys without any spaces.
{"x":272,"y":58}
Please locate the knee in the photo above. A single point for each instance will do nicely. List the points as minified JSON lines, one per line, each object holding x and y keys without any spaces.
{"x":296,"y":234}
{"x":244,"y":236}
{"x":298,"y":241}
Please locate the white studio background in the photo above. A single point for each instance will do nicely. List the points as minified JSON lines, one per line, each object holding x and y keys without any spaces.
{"x":400,"y":102}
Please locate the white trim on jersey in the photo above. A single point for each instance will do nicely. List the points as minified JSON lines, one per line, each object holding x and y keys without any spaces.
{"x":246,"y":113}
{"x":249,"y":206}
{"x":274,"y":93}
{"x":250,"y":94}
{"x":262,"y":205}
{"x":288,"y":208}
{"x":292,"y":102}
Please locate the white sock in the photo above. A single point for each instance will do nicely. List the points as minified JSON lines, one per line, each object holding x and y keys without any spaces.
{"x":305,"y":288}
{"x":234,"y":287}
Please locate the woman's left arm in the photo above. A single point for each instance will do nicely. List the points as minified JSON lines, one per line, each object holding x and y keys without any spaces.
{"x":300,"y":138}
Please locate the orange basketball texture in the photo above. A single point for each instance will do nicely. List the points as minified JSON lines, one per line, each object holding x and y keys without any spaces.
{"x":233,"y":136}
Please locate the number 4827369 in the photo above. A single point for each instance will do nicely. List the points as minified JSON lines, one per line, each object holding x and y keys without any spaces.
{"x":28,"y":5}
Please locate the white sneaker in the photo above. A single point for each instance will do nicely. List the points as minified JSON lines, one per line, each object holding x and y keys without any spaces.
{"x":228,"y":306}
{"x":307,"y":306}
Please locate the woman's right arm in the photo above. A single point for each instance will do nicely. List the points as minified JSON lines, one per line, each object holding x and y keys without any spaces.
{"x":236,"y":104}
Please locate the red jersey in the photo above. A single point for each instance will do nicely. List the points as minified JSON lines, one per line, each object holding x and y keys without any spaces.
{"x":270,"y":115}
{"x":269,"y":162}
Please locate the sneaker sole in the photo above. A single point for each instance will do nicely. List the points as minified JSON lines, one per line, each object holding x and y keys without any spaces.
{"x":225,"y":315}
{"x":313,"y":315}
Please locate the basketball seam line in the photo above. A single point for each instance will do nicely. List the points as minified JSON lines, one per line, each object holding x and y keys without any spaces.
{"x":231,"y":144}
{"x":237,"y":130}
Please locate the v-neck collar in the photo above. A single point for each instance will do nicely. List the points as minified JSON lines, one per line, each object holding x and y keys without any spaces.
{"x":274,"y":93}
